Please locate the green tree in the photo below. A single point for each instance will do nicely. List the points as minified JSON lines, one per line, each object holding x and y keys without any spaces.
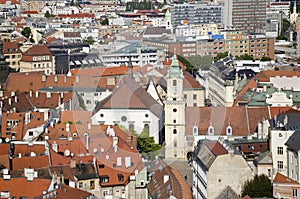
{"x":47,"y":14}
{"x":26,"y":32}
{"x":281,"y":37}
{"x":148,"y":147}
{"x":220,"y":56}
{"x":259,"y":186}
{"x":192,"y":69}
{"x":285,"y":26}
{"x":245,"y":57}
{"x":104,"y":22}
{"x":200,"y":62}
{"x":89,"y":40}
{"x":265,"y":59}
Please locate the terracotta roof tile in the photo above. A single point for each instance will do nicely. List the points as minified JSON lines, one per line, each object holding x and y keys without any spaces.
{"x":131,"y":96}
{"x":36,"y":50}
{"x":175,"y":185}
{"x":216,"y":148}
{"x":12,"y":2}
{"x":243,"y":120}
{"x":20,"y":187}
{"x":280,"y":178}
{"x":190,"y":82}
{"x":11,"y":48}
{"x":30,"y":162}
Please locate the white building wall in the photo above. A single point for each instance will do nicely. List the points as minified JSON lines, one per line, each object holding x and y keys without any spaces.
{"x":137,"y":117}
{"x":278,"y":139}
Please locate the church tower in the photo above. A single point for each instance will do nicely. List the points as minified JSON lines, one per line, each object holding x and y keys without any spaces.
{"x":294,"y":15}
{"x":168,"y":21}
{"x":175,"y":113}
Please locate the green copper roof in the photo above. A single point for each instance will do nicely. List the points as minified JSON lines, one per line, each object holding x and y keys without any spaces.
{"x":175,"y":70}
{"x":167,"y":15}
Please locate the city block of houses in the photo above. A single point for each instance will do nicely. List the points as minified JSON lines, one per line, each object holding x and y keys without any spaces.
{"x":83,"y":82}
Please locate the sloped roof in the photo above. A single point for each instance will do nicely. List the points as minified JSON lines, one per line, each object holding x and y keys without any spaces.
{"x":264,"y":158}
{"x":228,"y":192}
{"x":280,"y":178}
{"x":293,"y":143}
{"x":207,"y":151}
{"x":129,"y":95}
{"x":189,"y":82}
{"x":10,"y":48}
{"x":22,"y":187}
{"x":175,"y":186}
{"x":156,"y":31}
{"x":243,"y":120}
{"x":35,"y":50}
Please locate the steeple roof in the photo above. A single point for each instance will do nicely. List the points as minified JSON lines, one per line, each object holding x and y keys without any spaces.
{"x":175,"y":70}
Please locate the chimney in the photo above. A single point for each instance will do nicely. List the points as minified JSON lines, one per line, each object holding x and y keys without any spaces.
{"x":36,"y":94}
{"x":1,"y":104}
{"x":48,"y":94}
{"x":89,"y":126}
{"x":77,"y":79}
{"x":9,"y":101}
{"x":166,"y":178}
{"x":1,"y":93}
{"x":65,"y":79}
{"x":55,"y":78}
{"x":72,"y":163}
{"x":115,"y":141}
{"x":70,"y":138}
{"x":30,"y":93}
{"x":16,"y":99}
{"x":12,"y":93}
{"x":87,"y":141}
{"x":55,"y":146}
{"x":43,"y":78}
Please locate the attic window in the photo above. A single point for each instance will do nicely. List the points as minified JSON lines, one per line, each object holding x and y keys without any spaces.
{"x":101,"y":166}
{"x":104,"y":178}
{"x":101,"y":115}
{"x":120,"y":177}
{"x":229,"y":130}
{"x":211,"y":130}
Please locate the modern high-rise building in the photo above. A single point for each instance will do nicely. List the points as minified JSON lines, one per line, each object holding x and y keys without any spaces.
{"x":245,"y":15}
{"x":198,"y":13}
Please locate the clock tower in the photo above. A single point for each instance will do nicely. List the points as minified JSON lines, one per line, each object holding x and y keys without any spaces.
{"x":175,"y":113}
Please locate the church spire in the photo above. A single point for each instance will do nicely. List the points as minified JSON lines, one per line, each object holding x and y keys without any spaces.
{"x":175,"y":70}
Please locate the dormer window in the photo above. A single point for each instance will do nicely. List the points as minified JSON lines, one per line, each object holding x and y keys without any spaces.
{"x":229,"y":130}
{"x":195,"y":130}
{"x":211,"y":130}
{"x":120,"y":177}
{"x":104,"y":178}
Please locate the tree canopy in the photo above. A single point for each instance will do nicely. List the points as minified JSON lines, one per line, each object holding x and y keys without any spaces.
{"x":136,"y":5}
{"x":200,"y":62}
{"x":26,"y":32}
{"x":147,"y":146}
{"x":220,"y":56}
{"x":259,"y":186}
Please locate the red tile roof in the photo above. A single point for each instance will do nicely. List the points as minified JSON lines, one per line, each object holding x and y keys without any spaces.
{"x":30,"y":162}
{"x":175,"y":184}
{"x":36,"y":50}
{"x":130,"y":95}
{"x":243,"y":120}
{"x":216,"y":148}
{"x":10,"y":48}
{"x":102,"y":72}
{"x":75,"y":16}
{"x":189,"y":82}
{"x":21,"y":187}
{"x":280,"y":178}
{"x":11,"y":2}
{"x":30,"y":12}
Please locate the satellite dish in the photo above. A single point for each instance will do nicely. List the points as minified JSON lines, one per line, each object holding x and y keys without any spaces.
{"x":7,"y":139}
{"x":72,"y":154}
{"x":95,"y":150}
{"x":67,"y":152}
{"x":102,"y":150}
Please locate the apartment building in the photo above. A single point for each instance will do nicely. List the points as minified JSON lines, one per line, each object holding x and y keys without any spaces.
{"x":247,"y":15}
{"x":281,"y":6}
{"x":12,"y":54}
{"x":198,"y":13}
{"x":183,"y":47}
